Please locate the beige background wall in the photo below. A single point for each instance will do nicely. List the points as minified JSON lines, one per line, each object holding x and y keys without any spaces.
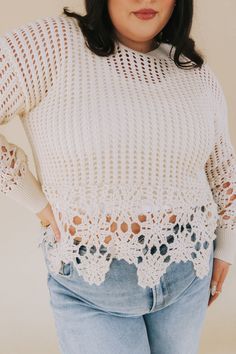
{"x":26,"y":324}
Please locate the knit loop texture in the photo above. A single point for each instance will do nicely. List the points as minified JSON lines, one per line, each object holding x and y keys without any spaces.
{"x":133,"y":153}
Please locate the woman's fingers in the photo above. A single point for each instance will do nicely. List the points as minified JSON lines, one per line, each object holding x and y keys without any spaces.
{"x":55,"y":230}
{"x":220,"y":270}
{"x":47,"y":218}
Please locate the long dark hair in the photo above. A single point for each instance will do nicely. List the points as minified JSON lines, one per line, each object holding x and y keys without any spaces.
{"x":99,"y":32}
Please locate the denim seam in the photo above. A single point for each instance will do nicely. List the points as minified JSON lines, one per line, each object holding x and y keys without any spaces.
{"x":153,"y":292}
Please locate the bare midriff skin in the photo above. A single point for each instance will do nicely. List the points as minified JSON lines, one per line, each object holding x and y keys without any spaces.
{"x":77,"y":220}
{"x":113,"y":227}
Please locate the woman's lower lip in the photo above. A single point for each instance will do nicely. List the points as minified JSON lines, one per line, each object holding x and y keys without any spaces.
{"x":144,"y":16}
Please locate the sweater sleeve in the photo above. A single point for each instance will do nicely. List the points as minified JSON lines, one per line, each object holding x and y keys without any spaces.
{"x":29,"y":59}
{"x":220,"y":169}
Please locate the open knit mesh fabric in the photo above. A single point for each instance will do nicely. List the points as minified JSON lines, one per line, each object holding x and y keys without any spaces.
{"x":132,"y":152}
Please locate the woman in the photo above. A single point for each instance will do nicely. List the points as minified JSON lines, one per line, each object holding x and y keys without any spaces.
{"x":136,"y":172}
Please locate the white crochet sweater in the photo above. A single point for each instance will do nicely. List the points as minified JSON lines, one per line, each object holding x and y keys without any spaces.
{"x":132,"y":152}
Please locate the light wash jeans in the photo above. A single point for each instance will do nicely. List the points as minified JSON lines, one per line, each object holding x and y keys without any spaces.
{"x":120,"y":317}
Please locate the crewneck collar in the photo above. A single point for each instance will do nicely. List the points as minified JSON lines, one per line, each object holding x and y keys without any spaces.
{"x":163,"y":48}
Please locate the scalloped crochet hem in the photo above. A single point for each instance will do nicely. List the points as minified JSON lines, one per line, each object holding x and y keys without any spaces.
{"x":150,"y":267}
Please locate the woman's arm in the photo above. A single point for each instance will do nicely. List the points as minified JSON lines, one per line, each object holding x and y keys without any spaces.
{"x":16,"y":180}
{"x":29,"y":62}
{"x":220,"y":169}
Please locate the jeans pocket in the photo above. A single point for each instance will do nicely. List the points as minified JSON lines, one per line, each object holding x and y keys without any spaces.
{"x":43,"y":234}
{"x":181,"y":276}
{"x":48,"y":245}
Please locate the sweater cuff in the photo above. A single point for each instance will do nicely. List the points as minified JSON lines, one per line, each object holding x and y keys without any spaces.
{"x":28,"y":193}
{"x":225,"y":245}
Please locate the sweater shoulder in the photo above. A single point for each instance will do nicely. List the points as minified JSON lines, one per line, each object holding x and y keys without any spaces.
{"x":44,"y":31}
{"x":35,"y":52}
{"x":211,"y":80}
{"x":49,"y":21}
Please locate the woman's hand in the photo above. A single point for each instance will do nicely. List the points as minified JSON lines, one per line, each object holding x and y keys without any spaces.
{"x":220,"y":270}
{"x":47,"y":218}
